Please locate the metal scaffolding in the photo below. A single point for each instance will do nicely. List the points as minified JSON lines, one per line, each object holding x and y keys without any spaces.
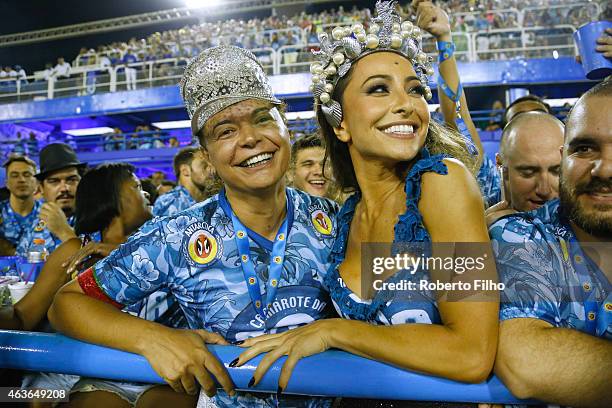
{"x":146,"y":19}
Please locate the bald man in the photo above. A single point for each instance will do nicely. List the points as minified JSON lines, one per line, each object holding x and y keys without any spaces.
{"x":530,"y":158}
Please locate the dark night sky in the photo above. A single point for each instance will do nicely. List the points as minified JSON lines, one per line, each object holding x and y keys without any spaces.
{"x":26,"y":15}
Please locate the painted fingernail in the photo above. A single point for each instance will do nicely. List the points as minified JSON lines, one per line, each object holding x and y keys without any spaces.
{"x":234,"y":362}
{"x":279,"y":391}
{"x":251,"y":382}
{"x":237,"y":343}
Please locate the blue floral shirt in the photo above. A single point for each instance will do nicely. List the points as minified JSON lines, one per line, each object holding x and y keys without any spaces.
{"x":38,"y":230}
{"x":174,"y":201}
{"x":12,"y":225}
{"x":389,"y":307}
{"x":547,"y":275}
{"x":161,"y":306}
{"x":194,"y":255}
{"x":490,"y":182}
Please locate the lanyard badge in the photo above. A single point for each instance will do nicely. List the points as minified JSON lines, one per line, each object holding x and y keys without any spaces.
{"x":248,"y":267}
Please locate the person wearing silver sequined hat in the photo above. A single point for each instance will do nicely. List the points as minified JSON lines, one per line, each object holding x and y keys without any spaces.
{"x":370,"y":95}
{"x":221,"y":77}
{"x":249,"y":260}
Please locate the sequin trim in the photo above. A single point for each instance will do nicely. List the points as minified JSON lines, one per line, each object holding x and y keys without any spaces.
{"x":219,"y":77}
{"x":89,"y":285}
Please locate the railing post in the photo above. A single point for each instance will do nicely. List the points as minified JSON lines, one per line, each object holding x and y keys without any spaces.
{"x":112,"y":71}
{"x":83,"y":90}
{"x":150,"y":73}
{"x":275,"y":62}
{"x":50,"y":87}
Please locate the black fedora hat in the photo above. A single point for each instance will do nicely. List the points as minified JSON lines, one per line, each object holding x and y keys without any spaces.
{"x":57,"y":156}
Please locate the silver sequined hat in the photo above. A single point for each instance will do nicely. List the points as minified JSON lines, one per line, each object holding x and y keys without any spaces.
{"x":220,"y":77}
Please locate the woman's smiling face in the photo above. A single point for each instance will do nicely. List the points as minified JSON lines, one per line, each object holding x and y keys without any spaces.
{"x":386,"y":117}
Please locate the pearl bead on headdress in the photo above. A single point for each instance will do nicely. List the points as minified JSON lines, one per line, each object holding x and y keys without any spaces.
{"x":386,"y":32}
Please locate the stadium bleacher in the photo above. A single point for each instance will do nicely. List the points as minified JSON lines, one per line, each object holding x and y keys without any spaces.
{"x":488,"y":31}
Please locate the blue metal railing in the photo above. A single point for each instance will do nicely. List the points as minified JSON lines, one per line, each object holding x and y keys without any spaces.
{"x":333,"y":373}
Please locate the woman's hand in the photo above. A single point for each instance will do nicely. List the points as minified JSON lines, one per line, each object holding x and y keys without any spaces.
{"x":295,"y":344}
{"x":432,"y":19}
{"x":93,"y":248}
{"x":181,"y":358}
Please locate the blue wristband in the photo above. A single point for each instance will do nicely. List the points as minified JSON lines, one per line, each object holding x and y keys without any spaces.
{"x":446,"y":49}
{"x":453,"y":96}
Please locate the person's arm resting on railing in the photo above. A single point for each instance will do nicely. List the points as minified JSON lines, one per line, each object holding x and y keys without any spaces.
{"x":554,"y":364}
{"x":537,"y":357}
{"x":461,"y":348}
{"x":88,"y":308}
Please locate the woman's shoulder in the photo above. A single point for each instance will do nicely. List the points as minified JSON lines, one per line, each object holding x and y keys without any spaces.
{"x":457,"y":188}
{"x":451,"y":204}
{"x":427,"y":163}
{"x":457,"y":178}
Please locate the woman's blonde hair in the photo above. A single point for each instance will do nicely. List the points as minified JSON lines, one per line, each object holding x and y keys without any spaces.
{"x":442,"y":139}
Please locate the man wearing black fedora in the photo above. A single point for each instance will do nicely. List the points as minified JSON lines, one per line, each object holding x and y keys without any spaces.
{"x":60,"y":173}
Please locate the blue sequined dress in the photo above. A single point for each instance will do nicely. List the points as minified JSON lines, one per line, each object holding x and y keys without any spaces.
{"x":388,"y":307}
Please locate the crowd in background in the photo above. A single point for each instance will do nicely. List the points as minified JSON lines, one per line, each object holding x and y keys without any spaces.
{"x":143,"y":137}
{"x":277,"y":31}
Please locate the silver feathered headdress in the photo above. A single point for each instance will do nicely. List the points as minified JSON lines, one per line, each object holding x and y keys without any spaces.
{"x":386,"y":32}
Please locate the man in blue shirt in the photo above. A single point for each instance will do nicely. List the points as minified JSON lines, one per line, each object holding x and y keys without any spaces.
{"x":530,"y":158}
{"x":194,"y":176}
{"x":248,"y":261}
{"x":20,"y":211}
{"x":59,"y":177}
{"x":556,"y":264}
